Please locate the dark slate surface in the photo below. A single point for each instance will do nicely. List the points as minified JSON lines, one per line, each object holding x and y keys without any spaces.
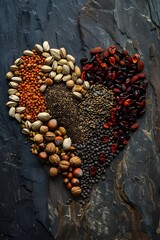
{"x":126,"y":205}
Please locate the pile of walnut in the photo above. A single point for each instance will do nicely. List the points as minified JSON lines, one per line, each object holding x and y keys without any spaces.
{"x":52,"y":146}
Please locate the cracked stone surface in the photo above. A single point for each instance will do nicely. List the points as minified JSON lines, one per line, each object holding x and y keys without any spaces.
{"x":126,"y":205}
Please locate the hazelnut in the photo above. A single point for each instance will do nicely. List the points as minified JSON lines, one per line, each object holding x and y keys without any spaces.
{"x":52,"y":124}
{"x":76,"y":191}
{"x":53,"y":171}
{"x":50,"y":136}
{"x":77,"y":172}
{"x":50,"y":148}
{"x":62,"y":130}
{"x":43,"y":156}
{"x":43,"y":129}
{"x":38,"y":138}
{"x":69,"y":185}
{"x":70,"y":175}
{"x":64,"y":165}
{"x":75,"y":161}
{"x":75,"y":181}
{"x":65,"y":157}
{"x":58,"y":140}
{"x":54,"y":159}
{"x":66,"y":180}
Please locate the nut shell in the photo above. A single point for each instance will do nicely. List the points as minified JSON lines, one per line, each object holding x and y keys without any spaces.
{"x":75,"y":161}
{"x":50,"y":148}
{"x":43,"y":129}
{"x":64,"y":165}
{"x":77,"y":172}
{"x":54,"y":159}
{"x":43,"y":156}
{"x":50,"y":136}
{"x":38,"y":138}
{"x":58,"y":140}
{"x":53,"y":171}
{"x":75,"y":181}
{"x":76,"y":191}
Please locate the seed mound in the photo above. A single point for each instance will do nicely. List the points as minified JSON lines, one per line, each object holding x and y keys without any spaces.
{"x":64,"y":107}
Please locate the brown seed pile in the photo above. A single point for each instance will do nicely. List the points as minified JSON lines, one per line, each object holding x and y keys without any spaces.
{"x":95,"y":106}
{"x":64,"y":107}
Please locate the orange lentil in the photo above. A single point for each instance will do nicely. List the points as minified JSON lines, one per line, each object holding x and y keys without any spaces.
{"x":30,"y":96}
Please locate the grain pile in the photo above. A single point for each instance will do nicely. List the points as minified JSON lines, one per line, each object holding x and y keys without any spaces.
{"x":64,"y":107}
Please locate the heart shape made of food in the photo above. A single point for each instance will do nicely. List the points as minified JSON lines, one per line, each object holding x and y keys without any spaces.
{"x":78,"y":120}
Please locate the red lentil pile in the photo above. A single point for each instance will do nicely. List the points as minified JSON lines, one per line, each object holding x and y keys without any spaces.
{"x":30,"y":96}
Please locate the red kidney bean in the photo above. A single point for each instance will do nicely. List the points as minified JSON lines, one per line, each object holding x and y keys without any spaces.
{"x":96,"y":50}
{"x":140,"y":66}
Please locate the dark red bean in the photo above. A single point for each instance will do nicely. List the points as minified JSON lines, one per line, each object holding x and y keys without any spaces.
{"x":112,"y":50}
{"x":135,"y":58}
{"x":112,"y":61}
{"x":116,"y":90}
{"x":128,"y":58}
{"x":142,"y":75}
{"x":128,"y":89}
{"x":122,"y":63}
{"x":128,"y":81}
{"x":145,"y":84}
{"x":106,"y":53}
{"x":117,"y":58}
{"x":134,"y":79}
{"x":127,"y":102}
{"x":87,"y":66}
{"x":123,"y":87}
{"x":134,"y":126}
{"x":140,"y":65}
{"x":96,"y":50}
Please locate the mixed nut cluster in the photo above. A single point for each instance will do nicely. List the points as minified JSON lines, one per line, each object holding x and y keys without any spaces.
{"x":112,"y":90}
{"x":54,"y":147}
{"x":28,"y":78}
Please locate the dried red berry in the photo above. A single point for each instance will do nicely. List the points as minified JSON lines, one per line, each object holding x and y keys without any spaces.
{"x":105,"y":139}
{"x":106,"y":126}
{"x":140,"y":66}
{"x":142,"y":75}
{"x":135,"y":58}
{"x":115,"y":135}
{"x":83,"y":75}
{"x":112,"y":61}
{"x":106,"y":53}
{"x":134,"y":78}
{"x":87,"y":66}
{"x":116,"y":90}
{"x":102,"y":158}
{"x":104,"y":65}
{"x":112,"y":50}
{"x":93,"y":171}
{"x":135,"y":126}
{"x":127,"y":102}
{"x":96,"y":50}
{"x":114,"y":148}
{"x":117,"y":58}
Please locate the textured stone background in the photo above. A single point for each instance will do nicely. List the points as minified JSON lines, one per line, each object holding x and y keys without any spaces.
{"x":126,"y":206}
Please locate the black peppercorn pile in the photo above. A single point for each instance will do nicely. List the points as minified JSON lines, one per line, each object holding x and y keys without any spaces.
{"x":96,"y":156}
